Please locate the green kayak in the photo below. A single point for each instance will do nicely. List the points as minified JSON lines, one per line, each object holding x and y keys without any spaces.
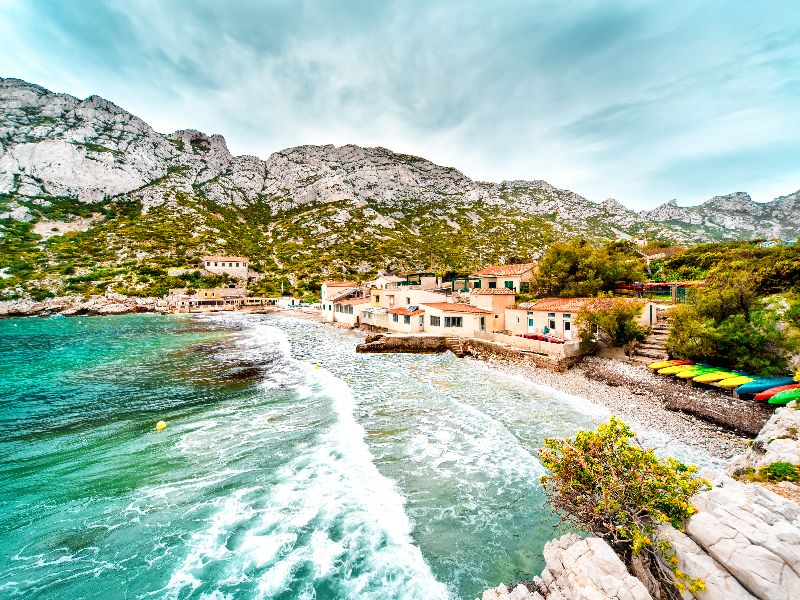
{"x":785,"y":397}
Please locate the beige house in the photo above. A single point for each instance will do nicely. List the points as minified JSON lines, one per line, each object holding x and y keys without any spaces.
{"x":234,"y":266}
{"x":404,"y":320}
{"x":206,"y":299}
{"x":504,"y":276}
{"x":455,"y":319}
{"x":495,"y":301}
{"x":556,"y":316}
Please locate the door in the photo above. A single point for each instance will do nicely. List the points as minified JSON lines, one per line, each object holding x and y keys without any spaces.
{"x":568,"y":330}
{"x":482,"y":322}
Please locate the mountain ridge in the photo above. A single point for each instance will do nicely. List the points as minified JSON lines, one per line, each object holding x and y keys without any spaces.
{"x":303,"y":212}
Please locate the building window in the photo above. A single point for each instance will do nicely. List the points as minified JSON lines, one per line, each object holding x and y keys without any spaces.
{"x":208,"y":263}
{"x":421,"y":320}
{"x":477,"y":284}
{"x":395,"y":318}
{"x":377,"y":298}
{"x":408,"y":300}
{"x":237,"y":264}
{"x":492,"y":285}
{"x":436,"y":321}
{"x":453,"y":321}
{"x":567,"y":316}
{"x":530,"y":322}
{"x":407,"y":319}
{"x":509,"y":285}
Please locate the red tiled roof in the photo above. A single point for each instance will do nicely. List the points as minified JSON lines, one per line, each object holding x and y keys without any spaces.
{"x":499,"y":270}
{"x":574,"y":304}
{"x":340,"y":283}
{"x":405,"y":311}
{"x":492,"y":292}
{"x":216,"y":258}
{"x":456,"y":307}
{"x":350,"y":301}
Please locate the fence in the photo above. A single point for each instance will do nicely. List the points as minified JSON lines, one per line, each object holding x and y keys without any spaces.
{"x":566,"y":349}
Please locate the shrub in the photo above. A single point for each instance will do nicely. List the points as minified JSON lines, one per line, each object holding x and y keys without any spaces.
{"x":780,"y":471}
{"x":620,"y":491}
{"x":611,"y":322}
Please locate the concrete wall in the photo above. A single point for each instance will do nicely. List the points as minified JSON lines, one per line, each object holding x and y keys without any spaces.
{"x":557,"y":350}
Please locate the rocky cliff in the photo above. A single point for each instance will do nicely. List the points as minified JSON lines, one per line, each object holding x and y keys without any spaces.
{"x":304,"y":212}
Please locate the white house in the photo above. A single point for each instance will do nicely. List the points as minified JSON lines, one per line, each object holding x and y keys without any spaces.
{"x":455,"y":319}
{"x":234,"y":266}
{"x":332,"y":291}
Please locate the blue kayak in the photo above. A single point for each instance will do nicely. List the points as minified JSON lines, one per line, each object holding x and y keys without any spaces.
{"x":763,"y":383}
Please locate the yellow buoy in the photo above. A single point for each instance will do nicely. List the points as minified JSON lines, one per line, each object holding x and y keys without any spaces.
{"x":316,"y":366}
{"x":161,"y":425}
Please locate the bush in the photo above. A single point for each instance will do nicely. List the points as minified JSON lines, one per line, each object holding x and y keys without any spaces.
{"x":611,"y":322}
{"x":780,"y":471}
{"x":620,"y":492}
{"x":729,"y":325}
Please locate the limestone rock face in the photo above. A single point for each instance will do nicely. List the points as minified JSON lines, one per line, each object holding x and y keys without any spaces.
{"x":753,"y":533}
{"x":58,"y":145}
{"x":587,"y":569}
{"x":778,"y":441}
{"x":692,"y":560}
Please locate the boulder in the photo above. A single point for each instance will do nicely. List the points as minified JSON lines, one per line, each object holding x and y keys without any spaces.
{"x":778,"y":441}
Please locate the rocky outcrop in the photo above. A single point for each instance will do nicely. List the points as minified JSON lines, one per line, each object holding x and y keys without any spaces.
{"x":414,"y":344}
{"x":778,"y":441}
{"x":753,"y":533}
{"x":577,"y":569}
{"x":111,"y":304}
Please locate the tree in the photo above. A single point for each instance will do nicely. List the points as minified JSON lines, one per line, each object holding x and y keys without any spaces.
{"x":610,"y":322}
{"x":621,"y":492}
{"x":577,"y":268}
{"x":728,"y":324}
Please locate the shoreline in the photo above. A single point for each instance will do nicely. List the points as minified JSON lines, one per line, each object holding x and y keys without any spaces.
{"x":634,"y":405}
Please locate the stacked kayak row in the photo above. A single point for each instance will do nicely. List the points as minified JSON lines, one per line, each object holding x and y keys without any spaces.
{"x":774,"y":390}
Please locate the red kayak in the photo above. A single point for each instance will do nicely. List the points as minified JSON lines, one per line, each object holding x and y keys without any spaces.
{"x":767,"y":394}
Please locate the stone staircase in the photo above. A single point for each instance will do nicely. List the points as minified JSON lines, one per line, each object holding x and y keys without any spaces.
{"x":456,"y":345}
{"x":653,"y":348}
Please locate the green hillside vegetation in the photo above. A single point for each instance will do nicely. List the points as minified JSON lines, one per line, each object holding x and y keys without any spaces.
{"x":129,"y":251}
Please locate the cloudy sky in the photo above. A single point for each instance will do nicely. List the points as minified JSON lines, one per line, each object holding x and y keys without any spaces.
{"x":639,"y":101}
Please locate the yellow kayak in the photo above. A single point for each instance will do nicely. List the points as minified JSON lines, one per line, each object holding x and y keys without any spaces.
{"x":714,"y":376}
{"x":675,"y":369}
{"x":734,"y":382}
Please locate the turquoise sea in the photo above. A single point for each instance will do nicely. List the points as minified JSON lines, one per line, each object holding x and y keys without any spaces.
{"x":291,"y":467}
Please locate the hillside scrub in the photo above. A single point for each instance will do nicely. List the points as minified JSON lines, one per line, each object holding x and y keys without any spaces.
{"x":772,"y":270}
{"x":728,"y":324}
{"x":605,"y":482}
{"x":579,"y":268}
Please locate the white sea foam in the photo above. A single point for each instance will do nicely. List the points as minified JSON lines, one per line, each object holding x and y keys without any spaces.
{"x":328,"y":507}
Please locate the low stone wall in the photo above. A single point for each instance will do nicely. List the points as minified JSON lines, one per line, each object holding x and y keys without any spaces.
{"x":486,"y":350}
{"x":540,"y":347}
{"x":415,"y":344}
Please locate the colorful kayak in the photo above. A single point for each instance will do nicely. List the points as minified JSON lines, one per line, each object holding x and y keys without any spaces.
{"x":767,"y":394}
{"x":785,"y":397}
{"x":714,"y":376}
{"x":663,"y":364}
{"x":675,"y":369}
{"x":763,"y":383}
{"x":692,"y":373}
{"x":734,"y":382}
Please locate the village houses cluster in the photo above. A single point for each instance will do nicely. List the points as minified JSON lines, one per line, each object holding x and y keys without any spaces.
{"x":482,"y":305}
